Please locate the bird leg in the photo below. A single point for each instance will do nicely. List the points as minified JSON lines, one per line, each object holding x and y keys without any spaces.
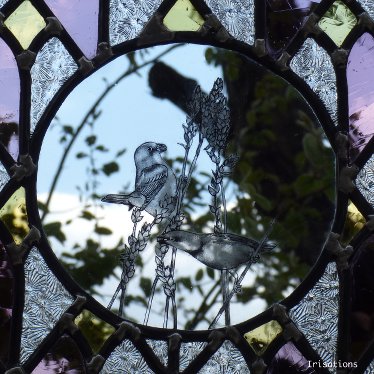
{"x":225,"y":293}
{"x":150,"y":300}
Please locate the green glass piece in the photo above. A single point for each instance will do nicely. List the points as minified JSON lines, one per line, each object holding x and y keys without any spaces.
{"x":354,"y":222}
{"x":14,"y":216}
{"x":338,"y":22}
{"x":95,"y":330}
{"x":25,"y":23}
{"x":260,"y":338}
{"x":183,"y":17}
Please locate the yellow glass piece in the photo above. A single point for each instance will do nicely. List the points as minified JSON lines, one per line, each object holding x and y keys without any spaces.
{"x":354,"y":222}
{"x":338,"y":22}
{"x":25,"y":23}
{"x":259,"y":339}
{"x":95,"y":330}
{"x":13,"y":215}
{"x":183,"y":17}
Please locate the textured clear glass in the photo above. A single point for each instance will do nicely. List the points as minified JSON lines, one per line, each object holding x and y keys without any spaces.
{"x":9,"y":105}
{"x":3,"y":2}
{"x":45,"y":301}
{"x":227,"y":360}
{"x":25,"y":23}
{"x":188,"y":352}
{"x":126,"y":359}
{"x":365,"y":181}
{"x":313,"y":64}
{"x":360,"y":77}
{"x":317,"y":314}
{"x":370,"y":369}
{"x":160,"y":349}
{"x":52,"y":68}
{"x":4,"y":176}
{"x":368,"y":5}
{"x":237,"y":16}
{"x":260,"y":338}
{"x":338,"y":22}
{"x":127,"y":18}
{"x":71,"y":15}
{"x":183,"y":17}
{"x":14,"y":216}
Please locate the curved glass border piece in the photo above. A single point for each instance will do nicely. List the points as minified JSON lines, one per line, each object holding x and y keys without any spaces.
{"x":365,"y":181}
{"x":127,"y":18}
{"x":314,"y":66}
{"x":52,"y":68}
{"x":317,"y":314}
{"x":188,"y":352}
{"x":237,"y":16}
{"x":368,"y":5}
{"x":46,"y":299}
{"x":126,"y":359}
{"x":227,"y":359}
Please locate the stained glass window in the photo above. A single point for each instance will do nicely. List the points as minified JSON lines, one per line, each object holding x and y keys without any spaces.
{"x":186,"y":186}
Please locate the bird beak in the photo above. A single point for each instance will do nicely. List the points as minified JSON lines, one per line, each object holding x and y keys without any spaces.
{"x":161,"y":148}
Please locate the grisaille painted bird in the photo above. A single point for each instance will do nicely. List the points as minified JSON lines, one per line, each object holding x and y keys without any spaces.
{"x":217,"y":251}
{"x":154,"y":180}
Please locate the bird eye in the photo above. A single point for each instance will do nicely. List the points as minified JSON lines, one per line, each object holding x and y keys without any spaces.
{"x":150,"y":149}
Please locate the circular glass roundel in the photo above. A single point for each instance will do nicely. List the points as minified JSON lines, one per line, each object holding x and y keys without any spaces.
{"x":196,"y":193}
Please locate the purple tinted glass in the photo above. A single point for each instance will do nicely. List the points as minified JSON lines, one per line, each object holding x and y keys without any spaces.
{"x":360,"y":76}
{"x":284,"y":18}
{"x":64,"y":357}
{"x":9,"y":103}
{"x":289,"y":360}
{"x":6,"y":301}
{"x":80,"y":19}
{"x":362,"y":313}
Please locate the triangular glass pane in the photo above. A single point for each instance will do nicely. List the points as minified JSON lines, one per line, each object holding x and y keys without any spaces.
{"x":95,"y":330}
{"x":160,"y":349}
{"x":338,"y":22}
{"x":127,"y":18}
{"x":46,"y":300}
{"x":260,"y":338}
{"x":80,"y":18}
{"x":126,"y":359}
{"x":4,"y":176}
{"x":361,"y":298}
{"x":9,"y":106}
{"x":6,"y":301}
{"x":25,"y":23}
{"x":227,"y":359}
{"x":313,"y":64}
{"x":368,"y":5}
{"x":183,"y":17}
{"x":14,"y":216}
{"x":63,"y":357}
{"x":188,"y":352}
{"x":365,"y":181}
{"x":317,"y":314}
{"x":370,"y":369}
{"x":354,"y":222}
{"x":283,"y":20}
{"x":52,"y":68}
{"x":360,"y":77}
{"x":237,"y":16}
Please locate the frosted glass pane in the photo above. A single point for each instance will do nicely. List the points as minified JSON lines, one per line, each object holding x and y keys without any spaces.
{"x":313,"y":64}
{"x":368,"y":5}
{"x":160,"y":349}
{"x":188,"y":352}
{"x":127,"y":18}
{"x":365,"y":181}
{"x":237,"y":16}
{"x":52,"y":68}
{"x":45,"y":301}
{"x":317,"y":314}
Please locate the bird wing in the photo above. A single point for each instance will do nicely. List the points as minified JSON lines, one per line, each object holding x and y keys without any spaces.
{"x":151,"y":180}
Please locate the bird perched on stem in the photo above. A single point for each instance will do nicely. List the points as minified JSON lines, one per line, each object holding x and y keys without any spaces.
{"x":217,"y":251}
{"x":155,"y":181}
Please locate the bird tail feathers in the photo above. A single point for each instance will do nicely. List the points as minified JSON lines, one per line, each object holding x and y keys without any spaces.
{"x":117,"y":199}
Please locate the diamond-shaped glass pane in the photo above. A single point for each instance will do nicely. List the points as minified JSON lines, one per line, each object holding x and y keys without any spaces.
{"x":260,"y":338}
{"x":25,"y":23}
{"x":338,"y":22}
{"x":183,"y":17}
{"x":354,"y":222}
{"x":365,"y":181}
